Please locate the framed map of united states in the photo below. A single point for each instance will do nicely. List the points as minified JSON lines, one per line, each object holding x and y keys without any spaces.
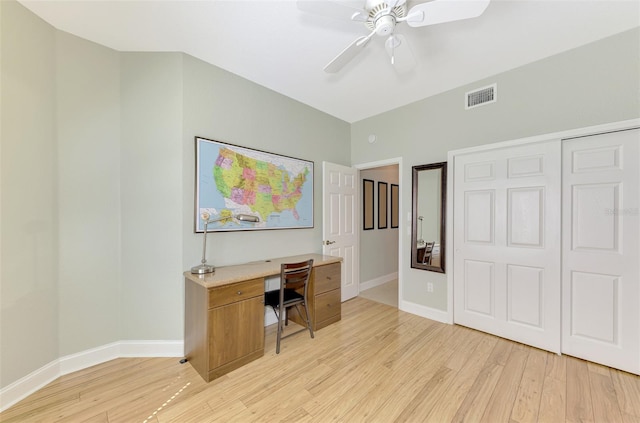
{"x":234,"y":180}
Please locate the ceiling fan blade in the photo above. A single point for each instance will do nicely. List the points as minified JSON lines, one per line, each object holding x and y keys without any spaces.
{"x":440,"y":11}
{"x":398,"y":48}
{"x":347,"y":54}
{"x":332,"y":9}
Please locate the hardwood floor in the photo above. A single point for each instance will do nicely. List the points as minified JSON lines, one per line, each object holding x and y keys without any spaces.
{"x":387,"y":293}
{"x":376,"y":365}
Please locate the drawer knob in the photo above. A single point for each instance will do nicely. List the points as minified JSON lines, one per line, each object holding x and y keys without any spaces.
{"x":239,"y":292}
{"x":329,"y":277}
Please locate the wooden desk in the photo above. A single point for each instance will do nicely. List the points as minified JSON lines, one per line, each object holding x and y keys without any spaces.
{"x":224,"y":310}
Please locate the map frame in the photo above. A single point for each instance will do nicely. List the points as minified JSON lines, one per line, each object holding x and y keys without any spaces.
{"x":274,"y":159}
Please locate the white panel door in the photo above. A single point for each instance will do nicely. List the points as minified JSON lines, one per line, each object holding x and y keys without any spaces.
{"x":507,"y":242}
{"x":600,"y":277}
{"x":340,"y":222}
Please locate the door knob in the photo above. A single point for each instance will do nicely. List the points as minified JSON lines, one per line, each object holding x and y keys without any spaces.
{"x":328,"y":242}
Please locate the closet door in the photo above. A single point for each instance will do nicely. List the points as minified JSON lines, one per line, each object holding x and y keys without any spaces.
{"x":601,"y":294}
{"x":507,"y":242}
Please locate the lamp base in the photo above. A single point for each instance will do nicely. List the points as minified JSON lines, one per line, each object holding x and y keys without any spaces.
{"x":202,"y":269}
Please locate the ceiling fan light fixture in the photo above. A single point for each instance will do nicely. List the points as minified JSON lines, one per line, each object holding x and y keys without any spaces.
{"x":392,"y":42}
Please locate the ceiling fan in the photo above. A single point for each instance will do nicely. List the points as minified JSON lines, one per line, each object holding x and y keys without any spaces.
{"x":381,"y":18}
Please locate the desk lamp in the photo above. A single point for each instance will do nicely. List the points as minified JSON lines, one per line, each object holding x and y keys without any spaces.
{"x":203,"y":267}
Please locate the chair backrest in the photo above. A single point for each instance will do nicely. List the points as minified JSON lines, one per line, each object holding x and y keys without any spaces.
{"x":296,"y":275}
{"x":428,"y":250}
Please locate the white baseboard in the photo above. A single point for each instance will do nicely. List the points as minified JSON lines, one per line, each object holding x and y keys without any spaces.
{"x":378,"y":281}
{"x":87,"y":358}
{"x":29,"y":384}
{"x":424,"y":311}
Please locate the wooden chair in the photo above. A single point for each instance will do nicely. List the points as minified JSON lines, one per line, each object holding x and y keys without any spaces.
{"x":428,"y":252}
{"x":294,"y":284}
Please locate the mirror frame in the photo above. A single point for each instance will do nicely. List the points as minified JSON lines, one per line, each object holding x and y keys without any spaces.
{"x":442,"y":166}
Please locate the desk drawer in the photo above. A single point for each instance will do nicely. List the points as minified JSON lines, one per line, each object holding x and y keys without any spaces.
{"x":326,"y":278}
{"x":327,"y":305}
{"x":235,"y":292}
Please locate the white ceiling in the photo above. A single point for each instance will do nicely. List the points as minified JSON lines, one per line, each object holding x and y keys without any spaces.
{"x":277,"y":46}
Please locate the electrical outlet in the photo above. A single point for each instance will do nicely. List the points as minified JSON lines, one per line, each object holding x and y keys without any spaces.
{"x":429,"y":287}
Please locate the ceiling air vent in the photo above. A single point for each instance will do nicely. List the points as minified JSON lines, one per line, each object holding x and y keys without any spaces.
{"x":480,"y":97}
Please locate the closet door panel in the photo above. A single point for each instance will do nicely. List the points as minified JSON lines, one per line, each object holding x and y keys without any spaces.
{"x":601,"y":271}
{"x":525,"y":294}
{"x":479,"y":287}
{"x":526,"y":217}
{"x":593,"y":229}
{"x":594,"y":306}
{"x":507,"y":242}
{"x":479,"y":216}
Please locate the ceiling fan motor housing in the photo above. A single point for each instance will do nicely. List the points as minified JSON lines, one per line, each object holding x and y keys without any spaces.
{"x":382,"y":18}
{"x":385,"y":25}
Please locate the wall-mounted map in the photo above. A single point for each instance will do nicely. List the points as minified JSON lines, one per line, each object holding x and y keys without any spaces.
{"x":233,"y":180}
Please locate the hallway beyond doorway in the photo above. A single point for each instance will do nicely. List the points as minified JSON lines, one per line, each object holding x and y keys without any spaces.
{"x":387,"y":293}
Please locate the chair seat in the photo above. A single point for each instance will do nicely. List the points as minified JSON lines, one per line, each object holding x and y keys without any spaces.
{"x":272,"y":298}
{"x":294,"y":277}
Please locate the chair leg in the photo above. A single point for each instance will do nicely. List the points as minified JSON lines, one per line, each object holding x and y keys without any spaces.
{"x":280,"y":329}
{"x":306,"y":312}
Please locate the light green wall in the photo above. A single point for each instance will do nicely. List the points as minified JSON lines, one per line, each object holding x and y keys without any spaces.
{"x":151,"y":189}
{"x":28,"y":195}
{"x":222,"y":106}
{"x":590,"y":85}
{"x":379,"y":247}
{"x":88,"y":149}
{"x":97,"y":186}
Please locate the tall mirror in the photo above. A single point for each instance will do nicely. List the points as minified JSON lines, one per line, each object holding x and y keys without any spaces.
{"x":428,"y":216}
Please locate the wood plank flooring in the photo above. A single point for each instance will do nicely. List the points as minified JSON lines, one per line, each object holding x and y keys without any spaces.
{"x":376,"y":365}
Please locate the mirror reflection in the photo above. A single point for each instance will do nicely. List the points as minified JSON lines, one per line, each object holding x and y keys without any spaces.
{"x":428,"y":217}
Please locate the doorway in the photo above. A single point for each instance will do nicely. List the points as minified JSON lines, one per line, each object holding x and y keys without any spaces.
{"x":380,"y":231}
